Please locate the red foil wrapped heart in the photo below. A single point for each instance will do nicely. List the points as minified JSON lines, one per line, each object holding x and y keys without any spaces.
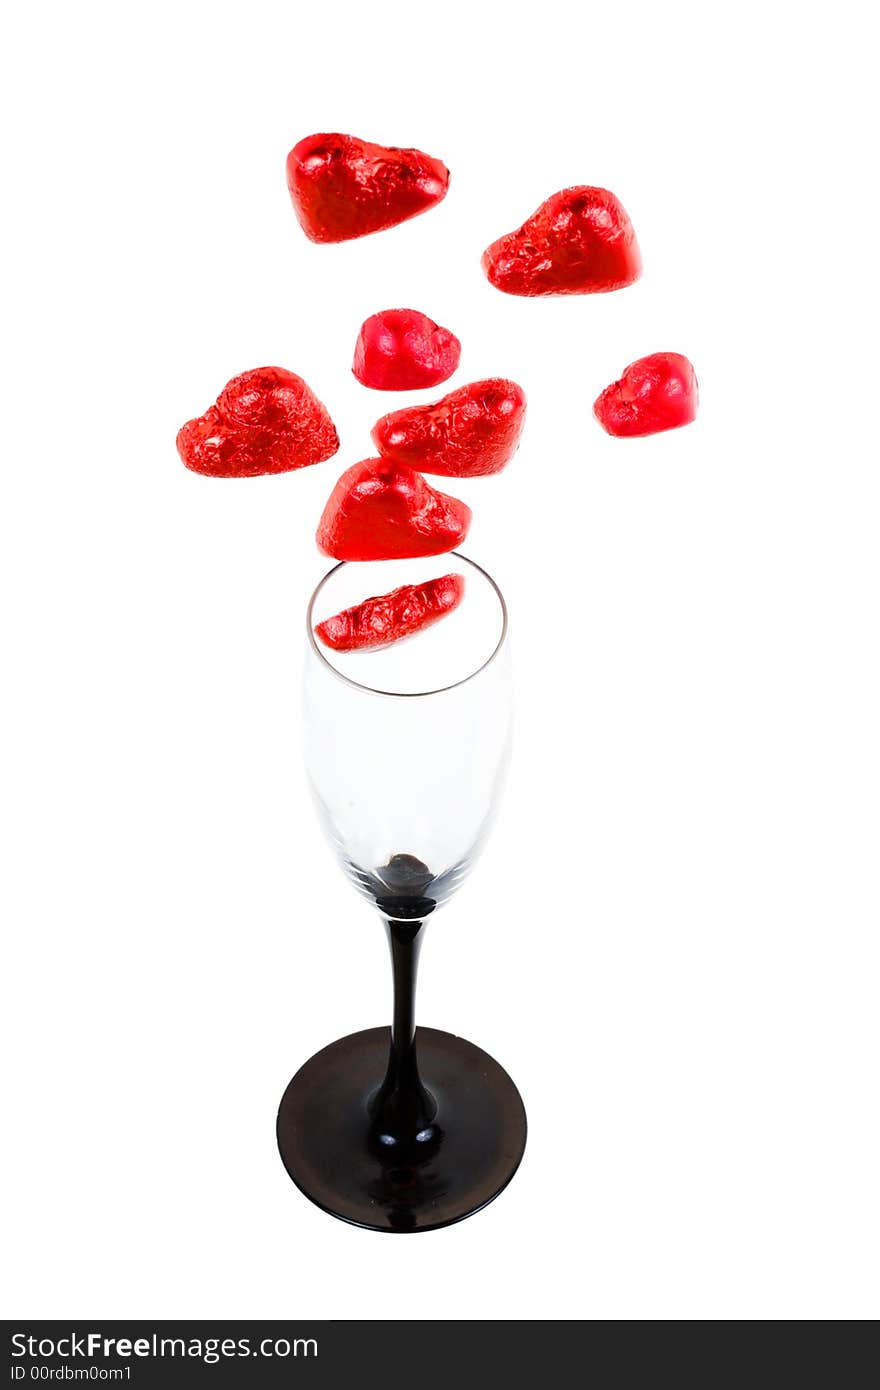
{"x":404,"y":350}
{"x":381,"y":510}
{"x":470,"y":433}
{"x":389,"y":617}
{"x":580,"y":241}
{"x":265,"y":421}
{"x":343,"y":187}
{"x":655,"y":393}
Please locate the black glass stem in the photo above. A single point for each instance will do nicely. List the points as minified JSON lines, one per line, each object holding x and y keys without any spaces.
{"x":403,"y":1110}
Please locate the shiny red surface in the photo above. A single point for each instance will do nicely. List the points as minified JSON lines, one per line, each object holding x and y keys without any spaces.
{"x":471,"y":432}
{"x":343,"y":187}
{"x":404,"y":350}
{"x":381,"y":510}
{"x":265,"y":421}
{"x":580,"y":241}
{"x":654,"y":393}
{"x":388,"y":617}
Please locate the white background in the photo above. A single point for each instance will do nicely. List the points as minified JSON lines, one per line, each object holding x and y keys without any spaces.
{"x":672,"y":940}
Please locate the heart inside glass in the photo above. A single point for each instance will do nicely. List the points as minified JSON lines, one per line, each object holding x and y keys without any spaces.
{"x":450,"y":651}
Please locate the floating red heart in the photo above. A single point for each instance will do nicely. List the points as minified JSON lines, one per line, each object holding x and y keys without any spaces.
{"x":380,"y":510}
{"x":469,"y":433}
{"x":404,"y":350}
{"x":343,"y":187}
{"x":655,"y":393}
{"x":265,"y":421}
{"x":580,"y":241}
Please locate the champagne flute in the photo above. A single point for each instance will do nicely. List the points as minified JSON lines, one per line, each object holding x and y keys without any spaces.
{"x":406,"y":749}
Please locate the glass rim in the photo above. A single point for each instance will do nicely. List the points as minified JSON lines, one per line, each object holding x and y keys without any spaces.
{"x":406,"y":694}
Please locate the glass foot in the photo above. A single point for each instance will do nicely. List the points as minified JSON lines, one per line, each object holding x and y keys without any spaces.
{"x":466,"y":1157}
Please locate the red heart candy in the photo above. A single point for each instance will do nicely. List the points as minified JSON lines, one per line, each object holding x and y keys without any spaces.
{"x":380,"y":510}
{"x":404,"y":350}
{"x":343,"y":187}
{"x":655,"y":393}
{"x":580,"y":241}
{"x":265,"y":421}
{"x":379,"y":621}
{"x":471,"y":432}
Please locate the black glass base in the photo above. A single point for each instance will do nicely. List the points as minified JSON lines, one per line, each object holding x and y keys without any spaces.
{"x":455,"y":1165}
